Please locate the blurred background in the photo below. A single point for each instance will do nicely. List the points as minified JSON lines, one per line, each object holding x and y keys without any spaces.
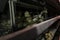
{"x":18,"y":14}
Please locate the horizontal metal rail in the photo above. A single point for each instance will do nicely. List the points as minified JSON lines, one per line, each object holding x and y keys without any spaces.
{"x":22,"y":4}
{"x":30,"y":32}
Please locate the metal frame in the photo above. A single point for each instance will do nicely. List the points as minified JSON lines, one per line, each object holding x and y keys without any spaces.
{"x":12,"y":13}
{"x":39,"y":28}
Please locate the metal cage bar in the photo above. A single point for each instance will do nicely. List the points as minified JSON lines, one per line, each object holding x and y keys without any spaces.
{"x":31,"y":31}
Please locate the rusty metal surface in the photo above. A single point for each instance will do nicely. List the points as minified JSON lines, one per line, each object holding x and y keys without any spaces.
{"x":35,"y":29}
